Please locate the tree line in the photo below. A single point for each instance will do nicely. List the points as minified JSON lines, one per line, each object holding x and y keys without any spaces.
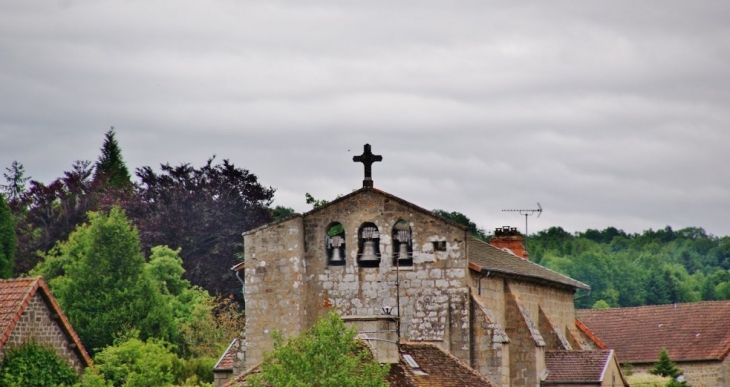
{"x":632,"y":269}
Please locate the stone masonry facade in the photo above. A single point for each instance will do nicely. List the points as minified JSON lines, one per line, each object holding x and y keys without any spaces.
{"x":40,"y":324}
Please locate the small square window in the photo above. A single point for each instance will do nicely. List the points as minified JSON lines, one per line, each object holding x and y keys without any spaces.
{"x":439,"y":245}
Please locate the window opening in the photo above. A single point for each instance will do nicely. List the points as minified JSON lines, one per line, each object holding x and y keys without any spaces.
{"x":368,"y":245}
{"x":402,"y":244}
{"x":335,"y":244}
{"x":439,"y":245}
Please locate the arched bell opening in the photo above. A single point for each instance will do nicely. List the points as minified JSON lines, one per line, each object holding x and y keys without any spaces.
{"x":335,"y":244}
{"x":368,"y":251}
{"x":402,"y":244}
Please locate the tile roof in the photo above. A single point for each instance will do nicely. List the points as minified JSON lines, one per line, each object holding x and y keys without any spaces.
{"x":691,"y":331}
{"x":577,"y":366}
{"x":485,"y":257}
{"x":225,"y":362}
{"x":436,"y":368}
{"x":15,"y":295}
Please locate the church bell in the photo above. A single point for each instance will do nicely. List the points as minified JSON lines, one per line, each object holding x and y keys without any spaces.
{"x":368,"y":251}
{"x":402,"y":251}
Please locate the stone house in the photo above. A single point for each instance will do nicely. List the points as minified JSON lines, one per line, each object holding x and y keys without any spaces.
{"x":401,"y":274}
{"x":696,"y":336}
{"x":29,"y":312}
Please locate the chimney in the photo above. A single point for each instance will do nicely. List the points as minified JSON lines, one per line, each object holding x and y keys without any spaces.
{"x":508,"y":238}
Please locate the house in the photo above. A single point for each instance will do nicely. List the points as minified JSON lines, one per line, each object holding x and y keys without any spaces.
{"x":401,"y":274}
{"x":223,"y":368}
{"x":29,"y":312}
{"x":583,"y":369}
{"x":696,"y":336}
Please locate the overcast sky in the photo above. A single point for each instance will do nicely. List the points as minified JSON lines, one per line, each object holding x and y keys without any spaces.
{"x":607,"y":113}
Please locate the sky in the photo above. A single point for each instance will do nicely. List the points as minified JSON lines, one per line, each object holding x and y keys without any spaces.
{"x":607,"y":113}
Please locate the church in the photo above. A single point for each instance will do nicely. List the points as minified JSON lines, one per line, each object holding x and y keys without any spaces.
{"x":400,"y":275}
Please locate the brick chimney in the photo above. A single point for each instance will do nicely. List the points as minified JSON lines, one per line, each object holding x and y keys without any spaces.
{"x":510,"y":239}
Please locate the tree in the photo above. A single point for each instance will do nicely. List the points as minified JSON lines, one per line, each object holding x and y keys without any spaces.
{"x":281,"y":212}
{"x":15,"y":178}
{"x":463,"y":220}
{"x":203,"y":211}
{"x":110,"y":164}
{"x":8,"y":240}
{"x":32,"y":365}
{"x":101,"y":283}
{"x":134,"y":363}
{"x":326,"y":355}
{"x":664,"y":366}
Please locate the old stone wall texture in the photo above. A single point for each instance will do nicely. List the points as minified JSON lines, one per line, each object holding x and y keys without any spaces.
{"x":490,"y":345}
{"x":275,"y":277}
{"x":37,"y":324}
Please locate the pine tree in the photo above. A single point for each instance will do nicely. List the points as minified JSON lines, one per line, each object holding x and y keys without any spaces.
{"x":15,"y":178}
{"x":111,"y":165}
{"x":664,"y":366}
{"x":8,"y":239}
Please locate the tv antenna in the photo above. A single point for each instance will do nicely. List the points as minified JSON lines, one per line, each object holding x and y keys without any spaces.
{"x":527,"y":213}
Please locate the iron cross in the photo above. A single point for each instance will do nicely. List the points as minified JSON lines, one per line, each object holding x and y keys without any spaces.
{"x":367,"y":158}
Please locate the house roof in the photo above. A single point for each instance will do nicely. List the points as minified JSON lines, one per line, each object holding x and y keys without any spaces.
{"x":15,"y":295}
{"x":485,"y":257}
{"x":225,"y":362}
{"x":690,"y":331}
{"x":435,"y":368}
{"x":577,"y":366}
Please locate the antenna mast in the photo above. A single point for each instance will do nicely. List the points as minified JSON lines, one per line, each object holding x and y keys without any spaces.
{"x":527,"y":213}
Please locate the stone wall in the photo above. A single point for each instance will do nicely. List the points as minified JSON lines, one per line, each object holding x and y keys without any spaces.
{"x":490,"y":344}
{"x":37,"y":323}
{"x":698,"y":373}
{"x":275,"y":277}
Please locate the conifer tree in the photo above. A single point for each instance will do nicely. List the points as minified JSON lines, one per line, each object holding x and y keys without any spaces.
{"x":8,"y":239}
{"x":15,"y":179}
{"x":666,"y":367}
{"x":111,"y":165}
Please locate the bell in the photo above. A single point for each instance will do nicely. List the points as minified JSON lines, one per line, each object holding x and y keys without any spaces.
{"x":336,"y":256}
{"x":402,"y":251}
{"x":368,"y":251}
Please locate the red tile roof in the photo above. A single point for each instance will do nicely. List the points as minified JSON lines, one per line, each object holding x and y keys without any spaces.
{"x":15,"y":295}
{"x":692,"y":331}
{"x":577,"y":366}
{"x":436,"y":368}
{"x":225,"y":363}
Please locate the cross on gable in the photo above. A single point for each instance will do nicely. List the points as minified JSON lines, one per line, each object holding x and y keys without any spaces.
{"x":367,"y":158}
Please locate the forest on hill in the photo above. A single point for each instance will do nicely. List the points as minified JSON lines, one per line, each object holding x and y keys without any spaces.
{"x":651,"y":268}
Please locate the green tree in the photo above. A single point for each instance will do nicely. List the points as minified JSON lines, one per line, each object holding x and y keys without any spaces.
{"x":135,"y":363}
{"x":102,"y":285}
{"x":15,"y":179}
{"x":664,"y":366}
{"x":32,"y":365}
{"x":464,"y":220}
{"x":110,"y":164}
{"x":8,"y":239}
{"x":326,"y":355}
{"x":281,"y":212}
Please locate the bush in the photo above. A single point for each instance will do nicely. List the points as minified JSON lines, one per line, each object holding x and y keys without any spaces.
{"x":33,"y":365}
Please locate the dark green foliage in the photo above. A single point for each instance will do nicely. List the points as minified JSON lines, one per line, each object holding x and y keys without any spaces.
{"x":326,"y":355}
{"x":280,"y":212}
{"x":463,"y":220}
{"x":8,"y":240}
{"x":666,"y":367}
{"x":655,"y":267}
{"x":32,"y":365}
{"x":110,"y":165}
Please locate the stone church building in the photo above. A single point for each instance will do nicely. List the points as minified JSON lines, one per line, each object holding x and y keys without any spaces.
{"x":401,"y":274}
